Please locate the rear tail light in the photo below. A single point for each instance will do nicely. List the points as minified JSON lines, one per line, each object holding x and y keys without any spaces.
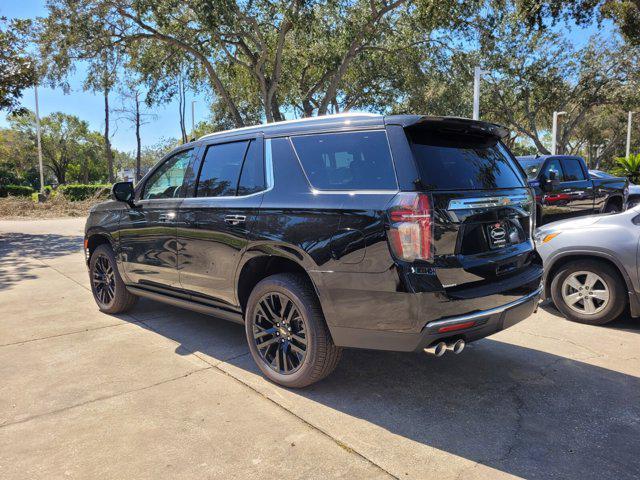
{"x":411,"y":229}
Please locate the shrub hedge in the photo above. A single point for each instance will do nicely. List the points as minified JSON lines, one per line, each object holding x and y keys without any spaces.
{"x":78,"y":191}
{"x":15,"y":191}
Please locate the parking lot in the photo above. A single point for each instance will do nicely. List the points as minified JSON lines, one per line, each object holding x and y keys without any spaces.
{"x":166,"y":393}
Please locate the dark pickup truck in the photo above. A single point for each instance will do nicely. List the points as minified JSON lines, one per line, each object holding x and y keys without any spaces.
{"x":564,"y":188}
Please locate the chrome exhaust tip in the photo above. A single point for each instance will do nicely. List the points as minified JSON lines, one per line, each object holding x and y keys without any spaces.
{"x":456,"y":347}
{"x":437,"y":350}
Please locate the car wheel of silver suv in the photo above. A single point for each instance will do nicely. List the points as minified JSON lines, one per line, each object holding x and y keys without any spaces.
{"x":588,"y":291}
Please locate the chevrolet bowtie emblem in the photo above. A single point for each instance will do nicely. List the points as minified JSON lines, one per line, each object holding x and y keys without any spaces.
{"x":506,"y":201}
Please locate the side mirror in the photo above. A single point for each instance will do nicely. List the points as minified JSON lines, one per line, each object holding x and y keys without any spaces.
{"x":123,"y":192}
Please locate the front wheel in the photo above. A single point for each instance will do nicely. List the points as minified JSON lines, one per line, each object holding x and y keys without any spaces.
{"x":286,"y":331}
{"x":589,"y":291}
{"x":107,"y":286}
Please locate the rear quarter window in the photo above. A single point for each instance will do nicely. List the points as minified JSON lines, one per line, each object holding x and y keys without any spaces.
{"x":454,"y":162}
{"x":347,"y":161}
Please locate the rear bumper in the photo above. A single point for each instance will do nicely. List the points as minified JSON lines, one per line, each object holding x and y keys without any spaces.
{"x":485,"y":323}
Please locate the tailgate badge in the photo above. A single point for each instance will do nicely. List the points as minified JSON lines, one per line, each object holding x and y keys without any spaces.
{"x":498,"y":232}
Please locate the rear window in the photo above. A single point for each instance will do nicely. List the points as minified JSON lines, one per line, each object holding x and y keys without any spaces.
{"x":347,"y":161}
{"x":572,"y":170}
{"x":455,"y":162}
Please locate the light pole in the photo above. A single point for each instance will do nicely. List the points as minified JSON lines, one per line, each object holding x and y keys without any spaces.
{"x":629,"y":134}
{"x":39,"y":137}
{"x":477,"y":74}
{"x":193,"y":118}
{"x":554,"y":131}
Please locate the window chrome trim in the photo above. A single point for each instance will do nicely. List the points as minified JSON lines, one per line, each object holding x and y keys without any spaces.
{"x":268,"y":170}
{"x":490,"y":202}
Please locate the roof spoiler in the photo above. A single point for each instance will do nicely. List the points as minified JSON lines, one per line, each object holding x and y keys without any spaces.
{"x":464,"y":125}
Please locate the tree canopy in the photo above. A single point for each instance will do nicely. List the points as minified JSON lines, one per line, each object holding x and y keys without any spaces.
{"x":267,"y":60}
{"x":17,"y":70}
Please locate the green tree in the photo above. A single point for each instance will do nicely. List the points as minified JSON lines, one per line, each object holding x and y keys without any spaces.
{"x":70,"y":151}
{"x":629,"y":167}
{"x":17,"y":70}
{"x":265,"y":57}
{"x":63,"y":47}
{"x":534,"y":74}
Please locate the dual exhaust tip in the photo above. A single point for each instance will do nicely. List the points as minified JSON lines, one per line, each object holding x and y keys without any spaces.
{"x":440,"y":348}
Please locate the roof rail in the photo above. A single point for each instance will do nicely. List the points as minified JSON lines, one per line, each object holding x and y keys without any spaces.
{"x":297,"y":120}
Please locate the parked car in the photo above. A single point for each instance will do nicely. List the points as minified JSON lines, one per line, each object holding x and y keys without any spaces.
{"x":403,"y":233}
{"x":564,"y":189}
{"x":633,"y":198}
{"x":591,"y":266}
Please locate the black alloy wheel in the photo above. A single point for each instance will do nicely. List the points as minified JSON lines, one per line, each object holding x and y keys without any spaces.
{"x":279,"y":333}
{"x":104,"y":280}
{"x":286,"y":331}
{"x":109,"y":291}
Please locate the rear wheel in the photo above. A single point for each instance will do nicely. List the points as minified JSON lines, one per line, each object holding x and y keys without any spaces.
{"x":287,"y":335}
{"x":611,"y":207}
{"x":107,"y":286}
{"x":588,"y":291}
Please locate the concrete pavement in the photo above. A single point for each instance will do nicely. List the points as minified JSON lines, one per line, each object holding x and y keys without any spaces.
{"x":165,"y":393}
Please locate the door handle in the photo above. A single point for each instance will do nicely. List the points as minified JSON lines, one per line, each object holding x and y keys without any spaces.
{"x":235,"y":219}
{"x":166,"y":217}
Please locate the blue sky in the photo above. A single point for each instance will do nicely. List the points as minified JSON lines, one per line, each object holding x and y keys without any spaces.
{"x":90,"y":107}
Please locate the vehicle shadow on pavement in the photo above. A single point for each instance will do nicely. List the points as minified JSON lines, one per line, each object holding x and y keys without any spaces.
{"x":17,"y":251}
{"x":625,"y":323}
{"x":519,"y":410}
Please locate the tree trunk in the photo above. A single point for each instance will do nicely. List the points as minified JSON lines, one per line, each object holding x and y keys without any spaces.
{"x":85,"y":170}
{"x":138,"y":142}
{"x":107,"y":142}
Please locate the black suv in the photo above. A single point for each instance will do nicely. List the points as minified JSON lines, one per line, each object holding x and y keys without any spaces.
{"x":403,"y":233}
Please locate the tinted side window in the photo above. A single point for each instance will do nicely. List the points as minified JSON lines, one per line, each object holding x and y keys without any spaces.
{"x":220,"y":170}
{"x":166,"y":181}
{"x":347,"y":161}
{"x":572,"y":170}
{"x":252,"y":176}
{"x":553,"y":166}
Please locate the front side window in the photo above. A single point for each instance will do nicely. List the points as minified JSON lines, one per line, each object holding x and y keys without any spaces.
{"x":347,"y":161}
{"x":531,"y":168}
{"x":166,"y":181}
{"x":572,"y":170}
{"x":220,"y":169}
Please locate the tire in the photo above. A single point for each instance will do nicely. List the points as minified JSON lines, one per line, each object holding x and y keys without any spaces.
{"x":107,"y":286}
{"x":575,"y":274}
{"x":611,"y":208}
{"x":297,"y":349}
